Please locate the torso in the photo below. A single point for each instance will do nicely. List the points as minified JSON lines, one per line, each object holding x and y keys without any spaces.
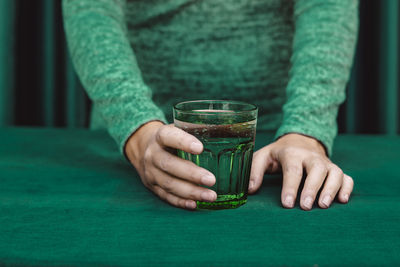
{"x":214,"y":49}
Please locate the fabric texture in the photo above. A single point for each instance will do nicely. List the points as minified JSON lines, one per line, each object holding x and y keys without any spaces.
{"x":68,"y":198}
{"x":290,"y":58}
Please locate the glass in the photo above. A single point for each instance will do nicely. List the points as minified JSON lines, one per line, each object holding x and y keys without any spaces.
{"x":227,"y":130}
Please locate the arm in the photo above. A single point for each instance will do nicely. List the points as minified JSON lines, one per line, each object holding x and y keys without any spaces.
{"x":107,"y":67}
{"x":323,"y":49}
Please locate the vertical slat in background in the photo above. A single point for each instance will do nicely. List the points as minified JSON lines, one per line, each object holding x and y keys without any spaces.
{"x":351,"y":100}
{"x":6,"y":61}
{"x":389,"y":68}
{"x":48,"y":73}
{"x":75,"y":98}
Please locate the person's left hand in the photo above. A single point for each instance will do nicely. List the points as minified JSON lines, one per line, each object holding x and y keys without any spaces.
{"x":291,"y":154}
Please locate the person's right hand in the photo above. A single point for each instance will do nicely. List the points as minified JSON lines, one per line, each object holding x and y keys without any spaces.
{"x":151,"y":149}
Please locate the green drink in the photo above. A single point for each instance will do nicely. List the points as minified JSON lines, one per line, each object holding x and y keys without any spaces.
{"x":227,"y":131}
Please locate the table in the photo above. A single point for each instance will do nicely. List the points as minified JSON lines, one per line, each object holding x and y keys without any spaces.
{"x":67,"y":198}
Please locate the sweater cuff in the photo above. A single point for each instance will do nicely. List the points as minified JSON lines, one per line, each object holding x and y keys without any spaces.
{"x":126,"y":125}
{"x":320,"y":134}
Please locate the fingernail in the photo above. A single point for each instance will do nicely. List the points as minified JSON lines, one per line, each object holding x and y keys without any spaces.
{"x":208,"y":179}
{"x":289,"y":201}
{"x":196,"y":147}
{"x":346,"y":198}
{"x":208,"y":196}
{"x":251,"y":185}
{"x":308,"y":201}
{"x":190,"y":204}
{"x":327,"y":200}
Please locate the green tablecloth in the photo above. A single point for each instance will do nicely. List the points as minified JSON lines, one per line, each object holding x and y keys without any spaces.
{"x":68,"y":198}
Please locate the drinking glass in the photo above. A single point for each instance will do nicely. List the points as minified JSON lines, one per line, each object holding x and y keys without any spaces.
{"x":227,"y":131}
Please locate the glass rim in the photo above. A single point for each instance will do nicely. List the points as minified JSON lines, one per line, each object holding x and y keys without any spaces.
{"x":228,"y":112}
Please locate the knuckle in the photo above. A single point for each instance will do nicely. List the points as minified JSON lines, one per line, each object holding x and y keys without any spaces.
{"x":194,"y":194}
{"x":170,"y":126}
{"x":147,"y":157}
{"x":181,"y":203}
{"x":162,"y":133}
{"x":165,"y":163}
{"x":311,"y":189}
{"x":336,"y":170}
{"x":256,"y":153}
{"x":309,"y":192}
{"x":320,"y":166}
{"x":195,"y":176}
{"x":147,"y":174}
{"x":196,"y":173}
{"x":351,"y":181}
{"x":289,"y":151}
{"x":167,"y":184}
{"x":340,"y":172}
{"x":158,"y":134}
{"x":160,"y":193}
{"x":294,"y":170}
{"x":146,"y":183}
{"x":330,"y":189}
{"x":148,"y":178}
{"x":289,"y":190}
{"x":314,"y":154}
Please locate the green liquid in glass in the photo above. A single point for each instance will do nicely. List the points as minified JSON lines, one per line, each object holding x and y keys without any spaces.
{"x":228,"y":153}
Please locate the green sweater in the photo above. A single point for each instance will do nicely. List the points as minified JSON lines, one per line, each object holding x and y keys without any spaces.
{"x":290,"y":58}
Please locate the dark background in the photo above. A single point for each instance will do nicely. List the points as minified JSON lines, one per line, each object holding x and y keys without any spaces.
{"x":38,"y":86}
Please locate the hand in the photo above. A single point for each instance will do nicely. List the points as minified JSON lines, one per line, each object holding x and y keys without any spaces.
{"x":291,"y":154}
{"x":175,"y":180}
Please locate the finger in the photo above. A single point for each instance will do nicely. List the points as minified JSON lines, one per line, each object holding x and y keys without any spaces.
{"x":332,"y":185}
{"x":171,"y":136}
{"x":181,"y":168}
{"x":174,"y":200}
{"x":183,"y":189}
{"x":262,"y":163}
{"x":346,"y":189}
{"x":292,"y":169}
{"x":316,"y":174}
{"x":258,"y":167}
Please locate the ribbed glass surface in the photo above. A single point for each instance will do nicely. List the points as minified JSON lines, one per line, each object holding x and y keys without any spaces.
{"x":227,"y":131}
{"x":229,"y":159}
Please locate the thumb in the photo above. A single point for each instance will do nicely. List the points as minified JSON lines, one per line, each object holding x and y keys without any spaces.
{"x":261,"y":162}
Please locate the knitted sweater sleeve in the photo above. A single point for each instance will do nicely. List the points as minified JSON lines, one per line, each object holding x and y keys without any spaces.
{"x":107,"y":67}
{"x":323,"y":49}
